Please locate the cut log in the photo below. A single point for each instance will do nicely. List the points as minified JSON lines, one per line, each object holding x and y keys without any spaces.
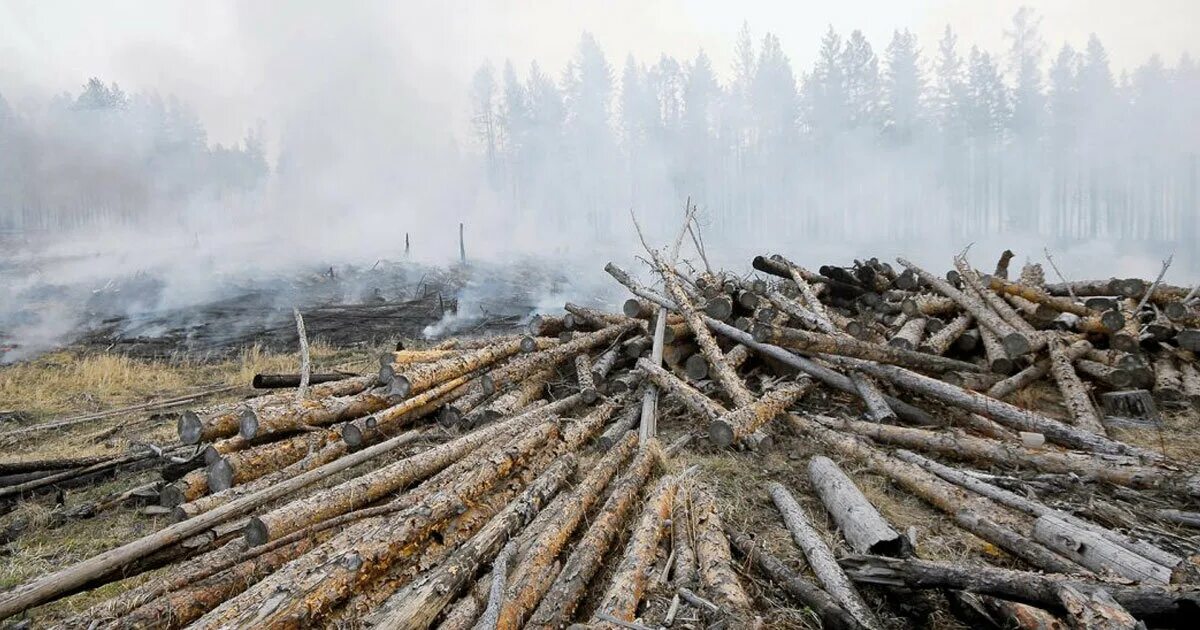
{"x":567,"y":591}
{"x":252,"y":463}
{"x":1035,"y":372}
{"x":388,"y":422}
{"x":1160,"y":606}
{"x":279,"y":381}
{"x":1096,"y":610}
{"x":419,"y":603}
{"x":1037,"y":296}
{"x":625,"y":422}
{"x":876,"y":407}
{"x":714,"y":562}
{"x":416,"y":378}
{"x":1004,"y":413}
{"x":810,"y":342}
{"x":530,"y":579}
{"x":629,"y":581}
{"x":356,"y":560}
{"x":997,"y":357}
{"x":1108,"y":376}
{"x":832,"y":614}
{"x":1168,"y":382}
{"x":820,"y":557}
{"x":683,"y":539}
{"x":940,"y":341}
{"x":311,"y":412}
{"x":222,"y":421}
{"x":860,"y":523}
{"x":910,"y":334}
{"x":649,"y":417}
{"x":673,"y":386}
{"x":372,"y":486}
{"x":1094,"y":552}
{"x":733,"y":427}
{"x":1074,"y":392}
{"x":1015,"y":343}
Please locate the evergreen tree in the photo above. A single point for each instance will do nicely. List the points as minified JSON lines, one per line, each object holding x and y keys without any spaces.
{"x":903,"y":84}
{"x":860,"y":71}
{"x":950,"y":87}
{"x":1025,"y":58}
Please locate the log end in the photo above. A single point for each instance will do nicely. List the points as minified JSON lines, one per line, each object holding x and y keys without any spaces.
{"x":450,"y":416}
{"x":1016,"y":344}
{"x":589,"y":395}
{"x":190,"y":427}
{"x":1112,"y":320}
{"x":1123,"y":342}
{"x":386,"y":371}
{"x":171,"y":496}
{"x":696,"y":367}
{"x":528,"y":344}
{"x":211,"y":455}
{"x":352,"y":435}
{"x":488,"y":384}
{"x":719,"y":308}
{"x":248,"y":424}
{"x":400,"y":386}
{"x":902,"y":344}
{"x":720,"y":432}
{"x":220,"y":476}
{"x":256,"y":532}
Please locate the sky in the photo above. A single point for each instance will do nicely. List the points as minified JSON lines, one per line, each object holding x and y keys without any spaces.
{"x":240,"y":62}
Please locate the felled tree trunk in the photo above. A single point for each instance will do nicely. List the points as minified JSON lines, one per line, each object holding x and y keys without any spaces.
{"x":629,"y":581}
{"x":414,"y":379}
{"x":311,"y":412}
{"x":250,"y":464}
{"x":1014,"y":342}
{"x":563,"y":597}
{"x":877,"y":409}
{"x":940,"y":341}
{"x":681,"y":391}
{"x":1161,"y":606}
{"x":820,"y":558}
{"x":735,"y":426}
{"x":860,"y":523}
{"x":713,"y":558}
{"x":388,"y":422}
{"x":806,"y":341}
{"x":418,"y":604}
{"x":910,"y":334}
{"x":1168,"y":383}
{"x":832,"y":614}
{"x":625,"y":422}
{"x":1035,"y":372}
{"x":683,"y":539}
{"x":1094,"y":552}
{"x":997,"y":357}
{"x":1074,"y":392}
{"x":529,"y":581}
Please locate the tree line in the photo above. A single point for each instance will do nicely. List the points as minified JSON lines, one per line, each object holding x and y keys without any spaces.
{"x":105,"y":156}
{"x":914,"y":141}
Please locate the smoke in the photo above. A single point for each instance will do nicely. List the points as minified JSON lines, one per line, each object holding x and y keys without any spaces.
{"x":368,"y":126}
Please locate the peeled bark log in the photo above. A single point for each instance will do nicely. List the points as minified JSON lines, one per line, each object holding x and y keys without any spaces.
{"x":715,"y":565}
{"x":1165,"y":606}
{"x":820,"y":557}
{"x":832,"y":615}
{"x":401,"y":358}
{"x":860,"y":523}
{"x":978,"y":288}
{"x":558,"y":606}
{"x":629,"y":581}
{"x":1004,"y":413}
{"x":940,"y":341}
{"x":735,"y":426}
{"x":924,"y":304}
{"x":357,"y":560}
{"x":418,"y":604}
{"x":528,"y":581}
{"x":1121,"y":471}
{"x":223,"y":421}
{"x":806,"y":341}
{"x":1096,"y":610}
{"x":1074,"y":392}
{"x":1094,"y":552}
{"x":877,"y":409}
{"x":1108,"y":376}
{"x":1037,"y":296}
{"x":523,"y":367}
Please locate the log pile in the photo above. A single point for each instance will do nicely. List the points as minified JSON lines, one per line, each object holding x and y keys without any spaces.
{"x":521,"y":480}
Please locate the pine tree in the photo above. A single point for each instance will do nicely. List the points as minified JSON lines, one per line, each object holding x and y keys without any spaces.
{"x":483,"y":113}
{"x":1025,"y":58}
{"x":860,"y":71}
{"x":902,"y":86}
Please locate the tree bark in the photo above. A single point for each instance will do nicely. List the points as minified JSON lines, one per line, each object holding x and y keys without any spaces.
{"x":567,"y":591}
{"x":820,"y":557}
{"x":419,"y":603}
{"x":910,"y":334}
{"x":809,"y":342}
{"x":672,"y":385}
{"x":860,"y":523}
{"x":939,"y":342}
{"x":629,"y":581}
{"x":1094,"y":552}
{"x":1166,"y":606}
{"x":832,"y":615}
{"x":734,"y":426}
{"x":714,"y":562}
{"x":877,"y":409}
{"x":311,"y":412}
{"x":529,"y":580}
{"x":997,"y":357}
{"x":683,"y":537}
{"x":387,"y":422}
{"x":416,"y":378}
{"x":1074,"y":392}
{"x":1014,"y":342}
{"x":1035,"y":372}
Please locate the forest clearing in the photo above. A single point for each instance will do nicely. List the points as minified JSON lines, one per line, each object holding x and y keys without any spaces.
{"x":867,"y":445}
